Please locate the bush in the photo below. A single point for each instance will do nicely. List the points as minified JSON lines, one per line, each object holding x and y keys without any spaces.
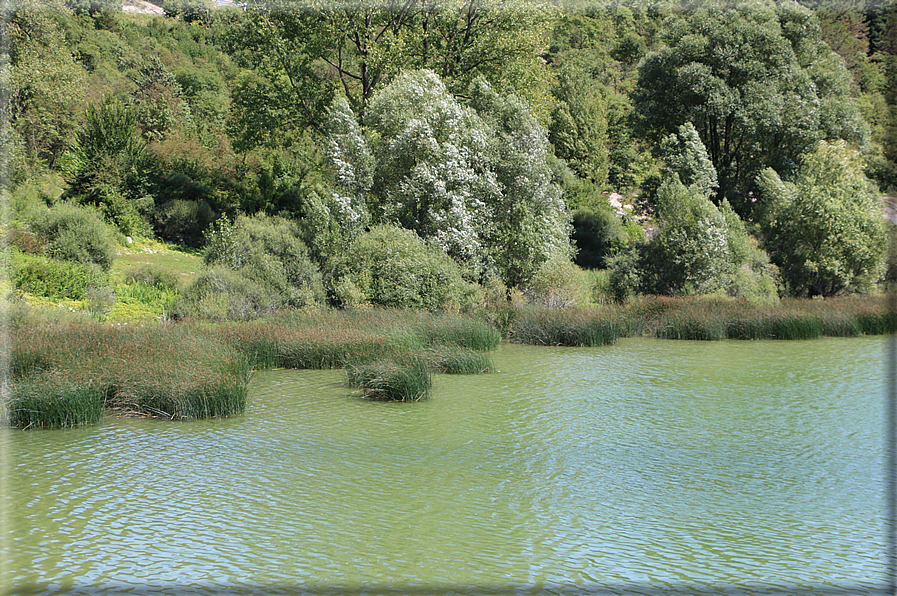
{"x":222,"y":294}
{"x":75,"y":233}
{"x":153,"y":275}
{"x":50,"y":278}
{"x":183,"y":221}
{"x":597,"y":234}
{"x":258,"y":264}
{"x":124,"y":214}
{"x":269,"y":252}
{"x":394,"y":267}
{"x":100,"y":299}
{"x":558,"y":284}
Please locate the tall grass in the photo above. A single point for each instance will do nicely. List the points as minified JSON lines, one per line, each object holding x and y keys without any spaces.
{"x":568,"y":326}
{"x":67,"y":372}
{"x":704,"y":318}
{"x":66,"y":375}
{"x":727,"y":318}
{"x":395,"y":380}
{"x":457,"y":361}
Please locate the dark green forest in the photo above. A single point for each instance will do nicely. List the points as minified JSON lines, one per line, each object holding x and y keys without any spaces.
{"x":449,"y":154}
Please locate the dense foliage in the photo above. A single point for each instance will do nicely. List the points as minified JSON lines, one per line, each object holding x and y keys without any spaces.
{"x":456,"y":153}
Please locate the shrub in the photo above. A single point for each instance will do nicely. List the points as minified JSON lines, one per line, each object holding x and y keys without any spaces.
{"x":41,"y":276}
{"x":27,"y":242}
{"x":183,"y":221}
{"x":269,"y":252}
{"x":100,"y":299}
{"x":124,"y":214}
{"x":75,"y":233}
{"x":598,"y":234}
{"x":559,"y":283}
{"x":394,"y":267}
{"x":153,"y":275}
{"x":222,"y":294}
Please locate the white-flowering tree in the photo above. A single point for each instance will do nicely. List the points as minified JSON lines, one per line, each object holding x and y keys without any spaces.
{"x":473,"y":179}
{"x":434,"y":171}
{"x":347,"y":152}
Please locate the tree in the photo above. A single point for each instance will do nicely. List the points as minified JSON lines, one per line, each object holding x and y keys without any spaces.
{"x":361,"y":44}
{"x":47,"y":86}
{"x":697,"y":249}
{"x":434,"y":167}
{"x":685,"y":155}
{"x":578,"y":128}
{"x":826,"y":230}
{"x":532,"y":224}
{"x":757,"y":82}
{"x":476,"y":179}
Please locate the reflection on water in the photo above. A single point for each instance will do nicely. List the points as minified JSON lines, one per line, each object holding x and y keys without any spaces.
{"x":649,"y":467}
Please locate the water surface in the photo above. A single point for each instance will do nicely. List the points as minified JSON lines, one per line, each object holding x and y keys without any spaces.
{"x":648,"y":467}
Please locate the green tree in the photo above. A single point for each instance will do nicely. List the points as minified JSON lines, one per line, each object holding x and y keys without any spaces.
{"x":696,"y":250}
{"x":578,"y":128}
{"x":826,"y":230}
{"x":282,"y":90}
{"x":107,"y":153}
{"x":685,"y":154}
{"x":160,"y":107}
{"x":362,"y":44}
{"x":757,"y":82}
{"x":46,"y":85}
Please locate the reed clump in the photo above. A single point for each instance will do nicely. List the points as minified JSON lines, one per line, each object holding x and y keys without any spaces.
{"x":568,"y":326}
{"x":455,"y":361}
{"x":68,"y":375}
{"x":394,"y":380}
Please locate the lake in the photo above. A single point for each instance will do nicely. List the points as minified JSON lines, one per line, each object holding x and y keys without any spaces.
{"x":646,"y":467}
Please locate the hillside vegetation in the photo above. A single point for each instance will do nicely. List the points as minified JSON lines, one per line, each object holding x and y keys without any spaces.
{"x":225,"y":163}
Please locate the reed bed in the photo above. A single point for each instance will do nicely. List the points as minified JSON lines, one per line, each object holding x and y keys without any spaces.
{"x":67,"y":375}
{"x":267,"y":345}
{"x":377,"y":348}
{"x":568,"y":326}
{"x":726,"y":318}
{"x":704,"y":318}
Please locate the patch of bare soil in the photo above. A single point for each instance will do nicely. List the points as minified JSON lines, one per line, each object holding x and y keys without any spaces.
{"x":142,"y":7}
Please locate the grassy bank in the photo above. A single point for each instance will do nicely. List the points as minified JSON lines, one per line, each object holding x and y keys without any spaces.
{"x":67,"y":375}
{"x":67,"y":371}
{"x":704,"y":319}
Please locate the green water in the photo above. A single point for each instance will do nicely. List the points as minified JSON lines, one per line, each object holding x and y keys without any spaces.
{"x":648,"y":467}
